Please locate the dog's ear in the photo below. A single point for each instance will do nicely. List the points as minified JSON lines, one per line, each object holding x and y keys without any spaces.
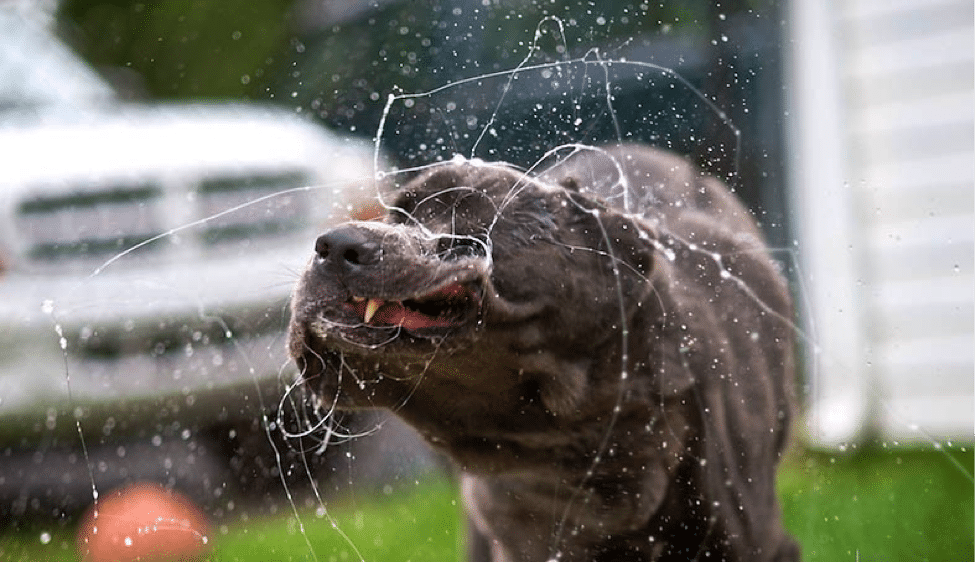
{"x":631,"y":240}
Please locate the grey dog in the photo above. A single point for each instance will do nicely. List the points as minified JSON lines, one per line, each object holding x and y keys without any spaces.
{"x":604,"y":348}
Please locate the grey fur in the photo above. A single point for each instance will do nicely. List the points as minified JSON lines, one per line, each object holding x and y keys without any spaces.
{"x":616,"y":379}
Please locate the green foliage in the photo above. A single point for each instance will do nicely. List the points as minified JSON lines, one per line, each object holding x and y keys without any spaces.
{"x":183,"y":48}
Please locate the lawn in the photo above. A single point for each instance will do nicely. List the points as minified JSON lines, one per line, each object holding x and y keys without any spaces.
{"x":873,"y":504}
{"x":881,"y":504}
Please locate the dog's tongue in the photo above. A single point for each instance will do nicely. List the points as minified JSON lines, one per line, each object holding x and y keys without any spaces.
{"x":394,"y":313}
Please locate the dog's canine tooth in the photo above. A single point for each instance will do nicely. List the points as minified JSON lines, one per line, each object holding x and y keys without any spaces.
{"x":372,"y":305}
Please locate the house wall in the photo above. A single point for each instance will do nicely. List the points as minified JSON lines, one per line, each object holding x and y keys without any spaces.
{"x":891,"y":305}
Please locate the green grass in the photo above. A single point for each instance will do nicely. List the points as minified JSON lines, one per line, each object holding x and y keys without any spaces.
{"x":874,"y":504}
{"x":423,"y":524}
{"x":881,"y":504}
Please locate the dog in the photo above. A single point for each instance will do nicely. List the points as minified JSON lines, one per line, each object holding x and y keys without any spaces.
{"x":602,"y":345}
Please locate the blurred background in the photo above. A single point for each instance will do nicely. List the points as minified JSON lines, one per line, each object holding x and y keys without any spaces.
{"x":156,"y":211}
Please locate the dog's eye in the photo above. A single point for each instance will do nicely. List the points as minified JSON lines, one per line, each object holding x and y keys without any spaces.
{"x":456,"y":247}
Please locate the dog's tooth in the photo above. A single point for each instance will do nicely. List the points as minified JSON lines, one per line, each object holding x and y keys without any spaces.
{"x":358,"y":299}
{"x":372,"y":306}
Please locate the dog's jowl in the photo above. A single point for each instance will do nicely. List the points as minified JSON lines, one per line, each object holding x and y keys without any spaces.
{"x":603,"y":347}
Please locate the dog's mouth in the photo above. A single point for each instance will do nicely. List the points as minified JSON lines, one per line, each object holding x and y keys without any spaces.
{"x":447,"y":307}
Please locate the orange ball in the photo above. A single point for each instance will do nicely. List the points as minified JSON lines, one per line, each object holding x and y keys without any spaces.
{"x":144,"y":522}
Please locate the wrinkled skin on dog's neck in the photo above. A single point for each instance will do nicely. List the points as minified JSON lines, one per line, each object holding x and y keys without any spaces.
{"x":563,"y":363}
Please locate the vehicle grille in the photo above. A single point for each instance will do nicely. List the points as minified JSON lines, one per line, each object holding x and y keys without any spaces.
{"x":262,"y":216}
{"x":89,"y":225}
{"x":86,"y":226}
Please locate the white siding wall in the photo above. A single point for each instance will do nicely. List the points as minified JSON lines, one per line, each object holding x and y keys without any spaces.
{"x":903,"y":90}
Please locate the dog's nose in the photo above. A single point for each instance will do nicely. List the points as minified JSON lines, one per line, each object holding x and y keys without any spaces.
{"x":348,"y":247}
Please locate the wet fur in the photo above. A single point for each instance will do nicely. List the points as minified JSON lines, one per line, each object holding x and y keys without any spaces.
{"x":614,"y":395}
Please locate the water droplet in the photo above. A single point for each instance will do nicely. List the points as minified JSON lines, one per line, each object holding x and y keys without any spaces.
{"x":45,"y":538}
{"x":48,"y":306}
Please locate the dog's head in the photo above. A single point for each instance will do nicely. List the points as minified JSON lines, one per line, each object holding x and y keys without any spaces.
{"x":480,"y":274}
